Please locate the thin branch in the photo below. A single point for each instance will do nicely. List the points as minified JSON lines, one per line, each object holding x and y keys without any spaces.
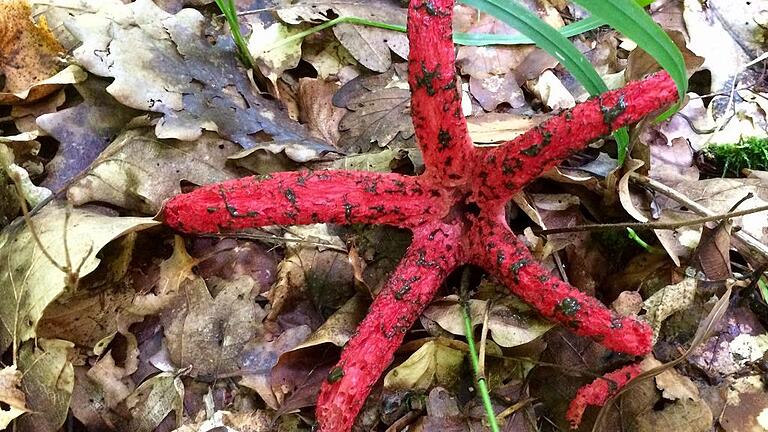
{"x":753,"y":244}
{"x":651,"y":225}
{"x":482,"y":387}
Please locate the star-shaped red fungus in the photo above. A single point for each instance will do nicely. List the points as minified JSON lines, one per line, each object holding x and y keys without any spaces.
{"x":455,"y":210}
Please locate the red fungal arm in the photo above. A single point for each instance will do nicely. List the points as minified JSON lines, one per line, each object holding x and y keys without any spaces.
{"x":495,"y":248}
{"x":441,"y":130}
{"x":305,"y":197}
{"x":507,"y":169}
{"x":430,"y":258}
{"x":599,"y":391}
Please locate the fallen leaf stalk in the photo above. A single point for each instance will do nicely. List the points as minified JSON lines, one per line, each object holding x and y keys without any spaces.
{"x":455,"y":210}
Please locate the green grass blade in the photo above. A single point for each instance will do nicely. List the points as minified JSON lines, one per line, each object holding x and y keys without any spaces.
{"x":545,"y":37}
{"x":227,"y":8}
{"x":631,"y":20}
{"x":550,"y":40}
{"x":570,"y":30}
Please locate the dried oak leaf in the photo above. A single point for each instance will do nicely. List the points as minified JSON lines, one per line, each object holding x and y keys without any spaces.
{"x":83,"y":131}
{"x":164,"y":63}
{"x":209,"y":329}
{"x":29,"y":54}
{"x":29,"y":282}
{"x":138,"y":171}
{"x":379,"y":112}
{"x":48,"y":381}
{"x":370,"y":46}
{"x":152,"y":401}
{"x":318,"y":112}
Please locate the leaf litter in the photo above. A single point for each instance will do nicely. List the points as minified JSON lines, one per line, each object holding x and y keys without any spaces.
{"x":169,"y":333}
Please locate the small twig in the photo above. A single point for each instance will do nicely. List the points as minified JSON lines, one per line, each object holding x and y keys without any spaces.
{"x":482,"y":387}
{"x":514,"y":408}
{"x":753,"y":244}
{"x":651,"y":225}
{"x":275,"y":239}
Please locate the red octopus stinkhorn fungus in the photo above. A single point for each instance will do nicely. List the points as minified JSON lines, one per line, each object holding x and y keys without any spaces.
{"x":455,"y":210}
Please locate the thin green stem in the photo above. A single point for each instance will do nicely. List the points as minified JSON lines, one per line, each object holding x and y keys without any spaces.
{"x":459,"y":38}
{"x":482,"y":387}
{"x":636,"y":238}
{"x":227,"y":7}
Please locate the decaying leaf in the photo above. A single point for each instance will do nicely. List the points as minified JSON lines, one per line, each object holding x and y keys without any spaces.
{"x":207,"y":330}
{"x":29,"y":54}
{"x":495,"y":90}
{"x":88,"y":403}
{"x":510,"y":322}
{"x":29,"y":282}
{"x":328,"y":58}
{"x":318,"y":112}
{"x":83,"y":131}
{"x":26,"y":188}
{"x":48,"y":382}
{"x":114,"y":381}
{"x":379,"y":112}
{"x":370,"y":46}
{"x":138,"y":171}
{"x":340,"y":326}
{"x":552,"y":92}
{"x":669,"y":300}
{"x":721,"y":194}
{"x":164,"y":63}
{"x":432,"y":364}
{"x":11,"y":395}
{"x":675,"y":407}
{"x":746,"y":408}
{"x":712,"y":39}
{"x":259,"y":358}
{"x":152,"y":401}
{"x":494,"y":127}
{"x":274,"y":61}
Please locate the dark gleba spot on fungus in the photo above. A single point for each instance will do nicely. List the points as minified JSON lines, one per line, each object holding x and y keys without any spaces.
{"x":335,"y":374}
{"x":569,"y":306}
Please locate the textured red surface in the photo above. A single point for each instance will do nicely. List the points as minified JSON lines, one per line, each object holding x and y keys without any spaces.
{"x":599,"y":391}
{"x":455,"y":209}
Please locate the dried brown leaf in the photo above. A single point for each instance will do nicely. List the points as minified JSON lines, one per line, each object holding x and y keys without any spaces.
{"x":138,"y":171}
{"x":29,"y":54}
{"x":368,"y":45}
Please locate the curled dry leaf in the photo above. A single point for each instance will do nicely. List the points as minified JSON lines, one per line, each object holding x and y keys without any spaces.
{"x":83,"y":131}
{"x":138,"y":171}
{"x":11,"y":396}
{"x":274,"y":61}
{"x":164,"y":63}
{"x":510,"y":322}
{"x":152,"y":401}
{"x":48,"y":380}
{"x":29,"y":282}
{"x":29,"y":54}
{"x":370,"y":46}
{"x":379,"y":112}
{"x":432,"y":364}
